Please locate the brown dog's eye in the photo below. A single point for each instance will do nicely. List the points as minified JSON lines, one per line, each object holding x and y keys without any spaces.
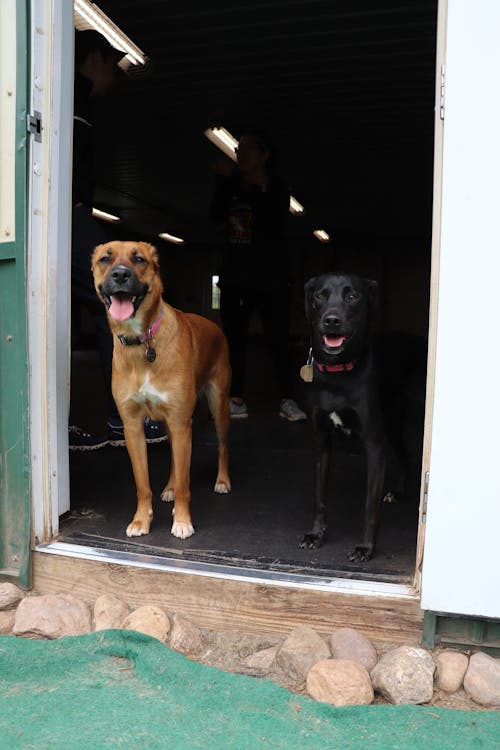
{"x":139,"y":259}
{"x":104,"y":259}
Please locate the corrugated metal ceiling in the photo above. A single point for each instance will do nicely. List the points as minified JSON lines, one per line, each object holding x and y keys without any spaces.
{"x":346,"y":87}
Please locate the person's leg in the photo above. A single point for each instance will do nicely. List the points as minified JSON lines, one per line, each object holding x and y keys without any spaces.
{"x":275,"y":313}
{"x":274,"y":307}
{"x":235,"y":314}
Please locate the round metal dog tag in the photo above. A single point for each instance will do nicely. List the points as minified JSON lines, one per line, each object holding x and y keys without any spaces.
{"x":150,"y":354}
{"x":306,"y":373}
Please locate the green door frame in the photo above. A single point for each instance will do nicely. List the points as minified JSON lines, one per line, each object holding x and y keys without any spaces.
{"x":15,"y":520}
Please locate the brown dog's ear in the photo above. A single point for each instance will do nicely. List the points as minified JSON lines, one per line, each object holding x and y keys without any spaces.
{"x":96,"y":251}
{"x":154,"y":255}
{"x":309,"y":289}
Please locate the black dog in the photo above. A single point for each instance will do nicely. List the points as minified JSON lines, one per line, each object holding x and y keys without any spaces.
{"x":343,"y":391}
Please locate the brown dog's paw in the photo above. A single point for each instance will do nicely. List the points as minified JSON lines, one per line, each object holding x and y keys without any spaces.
{"x":222,"y":487}
{"x":182,"y":530}
{"x":167,"y":495}
{"x":138,"y":528}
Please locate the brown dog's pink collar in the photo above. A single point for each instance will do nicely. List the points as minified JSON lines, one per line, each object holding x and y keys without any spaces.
{"x":144,"y":336}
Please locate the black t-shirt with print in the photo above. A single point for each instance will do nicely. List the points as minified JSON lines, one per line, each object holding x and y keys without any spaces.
{"x":255,"y":252}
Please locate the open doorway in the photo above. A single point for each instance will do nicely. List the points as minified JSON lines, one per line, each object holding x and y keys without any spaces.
{"x":347,"y":89}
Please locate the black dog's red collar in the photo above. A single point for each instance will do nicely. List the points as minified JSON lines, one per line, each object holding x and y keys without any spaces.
{"x":335,"y":368}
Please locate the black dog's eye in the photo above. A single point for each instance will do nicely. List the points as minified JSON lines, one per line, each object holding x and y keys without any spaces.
{"x":352,"y":297}
{"x":104,"y":259}
{"x":139,"y":259}
{"x":320,"y":297}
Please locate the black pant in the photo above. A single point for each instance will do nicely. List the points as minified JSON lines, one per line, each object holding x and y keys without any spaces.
{"x":237,"y":305}
{"x":86,"y":234}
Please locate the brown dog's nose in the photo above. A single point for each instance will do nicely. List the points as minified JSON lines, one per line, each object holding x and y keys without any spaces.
{"x":121,"y":274}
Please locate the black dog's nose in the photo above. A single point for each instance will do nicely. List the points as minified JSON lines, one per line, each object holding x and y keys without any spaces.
{"x":331,"y":321}
{"x":121,"y":274}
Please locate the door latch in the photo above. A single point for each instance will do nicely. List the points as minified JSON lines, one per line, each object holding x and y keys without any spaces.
{"x":34,"y":126}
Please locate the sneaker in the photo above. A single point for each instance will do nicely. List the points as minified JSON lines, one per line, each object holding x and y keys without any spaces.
{"x":237,"y":411}
{"x":289,"y":410}
{"x":155,"y":431}
{"x":80,"y":440}
{"x":115,"y":432}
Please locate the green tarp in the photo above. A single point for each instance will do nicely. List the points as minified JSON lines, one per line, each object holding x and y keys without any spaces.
{"x":121,"y":689}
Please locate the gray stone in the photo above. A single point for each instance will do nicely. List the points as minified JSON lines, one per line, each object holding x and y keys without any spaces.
{"x":150,"y":620}
{"x":185,"y":636}
{"x":451,"y":667}
{"x":405,"y":675}
{"x":301,"y":649}
{"x":340,"y":682}
{"x":261,"y":661}
{"x":350,"y":644}
{"x":10,"y":595}
{"x":7,"y":618}
{"x":109,"y":612}
{"x":52,"y":616}
{"x":482,"y":680}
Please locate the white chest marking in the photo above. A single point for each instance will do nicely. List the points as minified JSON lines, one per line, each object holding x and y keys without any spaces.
{"x":336,"y":419}
{"x":148,"y":392}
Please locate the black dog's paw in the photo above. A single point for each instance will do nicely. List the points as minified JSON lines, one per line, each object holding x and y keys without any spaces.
{"x":361,"y":553}
{"x":312,"y":540}
{"x":390,"y":497}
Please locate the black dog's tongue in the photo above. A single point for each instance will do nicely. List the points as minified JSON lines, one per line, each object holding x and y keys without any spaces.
{"x":334,"y":341}
{"x":121,"y":308}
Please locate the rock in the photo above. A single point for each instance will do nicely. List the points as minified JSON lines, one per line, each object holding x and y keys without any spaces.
{"x":52,"y":616}
{"x":350,"y":644}
{"x":482,"y":679}
{"x":261,"y":661}
{"x":10,"y":595}
{"x":340,"y":682}
{"x":150,"y":620}
{"x":405,"y":675}
{"x":7,"y":621}
{"x":451,"y":667}
{"x":185,"y":636}
{"x":303,"y":648}
{"x":109,"y":612}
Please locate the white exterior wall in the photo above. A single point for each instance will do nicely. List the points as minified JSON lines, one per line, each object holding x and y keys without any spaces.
{"x":461,"y":571}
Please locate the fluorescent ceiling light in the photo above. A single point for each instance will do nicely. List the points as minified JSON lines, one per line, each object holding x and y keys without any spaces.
{"x":227,"y":143}
{"x":322,"y":235}
{"x":89,"y":15}
{"x":104,"y":215}
{"x":295,"y":206}
{"x":223,"y":139}
{"x":171,"y":238}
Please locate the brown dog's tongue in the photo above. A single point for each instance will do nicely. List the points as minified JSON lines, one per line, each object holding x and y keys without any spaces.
{"x":121,"y":308}
{"x":334,"y":340}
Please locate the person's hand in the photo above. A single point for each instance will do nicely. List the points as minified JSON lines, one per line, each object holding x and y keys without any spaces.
{"x":223,"y":168}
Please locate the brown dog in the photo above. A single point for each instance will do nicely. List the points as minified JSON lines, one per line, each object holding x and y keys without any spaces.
{"x":162,"y":359}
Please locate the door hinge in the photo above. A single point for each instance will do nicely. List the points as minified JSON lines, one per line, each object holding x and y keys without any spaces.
{"x":424,"y":500}
{"x":34,"y":125}
{"x":441,"y":96}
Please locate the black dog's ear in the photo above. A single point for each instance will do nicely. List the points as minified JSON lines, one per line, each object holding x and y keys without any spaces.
{"x":373,"y":293}
{"x":309,"y":289}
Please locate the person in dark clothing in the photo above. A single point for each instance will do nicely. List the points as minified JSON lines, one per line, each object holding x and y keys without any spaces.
{"x":96,"y":72}
{"x":253,"y":204}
